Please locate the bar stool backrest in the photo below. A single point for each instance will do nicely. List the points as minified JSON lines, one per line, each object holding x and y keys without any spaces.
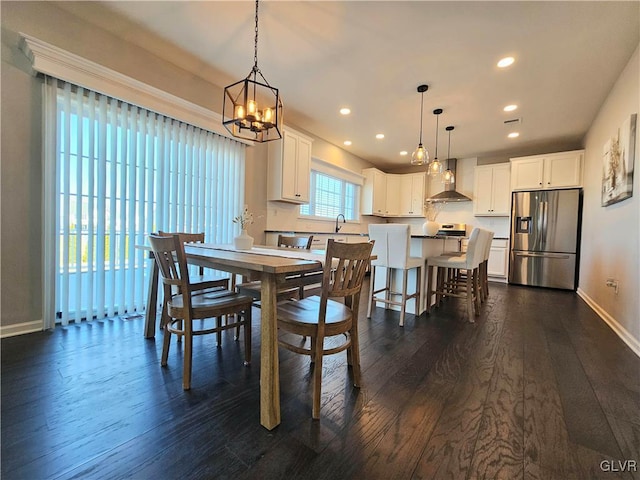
{"x":391,"y":244}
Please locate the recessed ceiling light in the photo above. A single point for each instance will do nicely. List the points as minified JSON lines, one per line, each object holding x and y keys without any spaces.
{"x":380,"y":136}
{"x":506,"y":61}
{"x":513,"y":135}
{"x":510,"y":108}
{"x":345,"y":111}
{"x":403,"y":153}
{"x":347,"y":142}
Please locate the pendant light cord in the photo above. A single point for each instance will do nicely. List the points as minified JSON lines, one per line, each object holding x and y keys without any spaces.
{"x":421,"y":110}
{"x":437,"y":116}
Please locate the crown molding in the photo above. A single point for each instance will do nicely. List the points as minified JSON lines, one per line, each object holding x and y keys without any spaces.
{"x":50,"y":60}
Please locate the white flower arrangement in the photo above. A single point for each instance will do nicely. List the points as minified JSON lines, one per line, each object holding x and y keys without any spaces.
{"x":431,"y":210}
{"x":244,"y":219}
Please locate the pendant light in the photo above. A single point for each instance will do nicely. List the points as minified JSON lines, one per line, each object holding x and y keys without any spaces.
{"x":420,"y":156}
{"x":435,"y":167}
{"x":251,"y":108}
{"x":448,"y":177}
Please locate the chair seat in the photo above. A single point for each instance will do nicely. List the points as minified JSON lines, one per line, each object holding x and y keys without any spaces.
{"x":210,"y":303}
{"x":305,"y":312}
{"x":200,"y":282}
{"x":448,"y":262}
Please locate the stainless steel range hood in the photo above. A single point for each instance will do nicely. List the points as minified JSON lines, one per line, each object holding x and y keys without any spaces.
{"x":449,"y":194}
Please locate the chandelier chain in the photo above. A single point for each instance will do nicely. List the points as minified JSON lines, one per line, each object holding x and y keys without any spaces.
{"x":255,"y":45}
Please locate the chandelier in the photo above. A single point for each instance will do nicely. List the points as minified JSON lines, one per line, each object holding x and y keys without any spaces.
{"x":420,"y":156}
{"x":251,"y":108}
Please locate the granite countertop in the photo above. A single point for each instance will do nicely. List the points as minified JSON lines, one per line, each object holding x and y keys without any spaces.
{"x":295,"y":232}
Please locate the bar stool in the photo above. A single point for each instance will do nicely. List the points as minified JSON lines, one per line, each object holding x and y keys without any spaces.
{"x":392,"y":250}
{"x":469,"y":263}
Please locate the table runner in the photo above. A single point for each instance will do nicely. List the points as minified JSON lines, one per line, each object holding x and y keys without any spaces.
{"x":293,"y":253}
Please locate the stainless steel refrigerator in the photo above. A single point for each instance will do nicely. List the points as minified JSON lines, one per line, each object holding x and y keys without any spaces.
{"x":545,"y":238}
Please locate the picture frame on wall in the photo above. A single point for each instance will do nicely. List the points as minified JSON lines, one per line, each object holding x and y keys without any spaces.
{"x":618,"y":160}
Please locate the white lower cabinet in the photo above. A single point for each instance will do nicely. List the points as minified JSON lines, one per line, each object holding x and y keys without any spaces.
{"x":497,"y":265}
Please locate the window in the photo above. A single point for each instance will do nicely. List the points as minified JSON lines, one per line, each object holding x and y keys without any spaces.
{"x":120,"y":172}
{"x":331,"y":196}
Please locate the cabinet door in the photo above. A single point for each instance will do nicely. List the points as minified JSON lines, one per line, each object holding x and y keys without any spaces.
{"x":303,"y":170}
{"x":527,"y":174}
{"x":501,"y":187}
{"x":394,"y":183}
{"x":417,"y":194}
{"x":482,"y":191}
{"x":289,"y":166}
{"x":563,"y":170}
{"x":379,"y":193}
{"x":497,"y":265}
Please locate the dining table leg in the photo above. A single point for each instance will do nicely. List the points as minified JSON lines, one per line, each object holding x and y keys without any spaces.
{"x":152,"y":301}
{"x":269,"y":366}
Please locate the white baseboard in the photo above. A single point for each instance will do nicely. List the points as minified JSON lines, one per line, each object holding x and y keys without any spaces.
{"x":20,"y":328}
{"x":623,"y":333}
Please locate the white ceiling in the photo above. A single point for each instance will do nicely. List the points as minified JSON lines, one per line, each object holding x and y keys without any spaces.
{"x":372,"y":55}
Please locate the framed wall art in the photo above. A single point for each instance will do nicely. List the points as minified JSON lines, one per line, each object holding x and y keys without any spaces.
{"x":618,"y":159}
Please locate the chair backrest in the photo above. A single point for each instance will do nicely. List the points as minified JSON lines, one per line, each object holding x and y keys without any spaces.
{"x":391,"y":244}
{"x":295,"y":242}
{"x":487,"y":248}
{"x":476,"y":247}
{"x":344,"y":269}
{"x":186,"y":238}
{"x":172,"y":262}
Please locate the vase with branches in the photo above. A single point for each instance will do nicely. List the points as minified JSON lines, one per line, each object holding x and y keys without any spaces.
{"x":431,"y":211}
{"x":243,"y":241}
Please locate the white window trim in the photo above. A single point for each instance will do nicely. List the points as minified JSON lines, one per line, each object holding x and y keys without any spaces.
{"x":336,"y":171}
{"x":56,"y":62}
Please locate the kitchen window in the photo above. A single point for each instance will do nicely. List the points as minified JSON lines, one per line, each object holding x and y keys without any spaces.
{"x":331,"y":196}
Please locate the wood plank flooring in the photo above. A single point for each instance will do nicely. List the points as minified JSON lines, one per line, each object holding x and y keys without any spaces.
{"x":537,"y":388}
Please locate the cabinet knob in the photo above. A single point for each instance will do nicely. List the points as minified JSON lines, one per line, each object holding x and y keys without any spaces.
{"x":540,"y":183}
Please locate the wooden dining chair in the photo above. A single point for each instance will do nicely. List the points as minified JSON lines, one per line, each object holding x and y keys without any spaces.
{"x":201,"y":281}
{"x":254,"y":288}
{"x":190,"y":303}
{"x":319,"y":317}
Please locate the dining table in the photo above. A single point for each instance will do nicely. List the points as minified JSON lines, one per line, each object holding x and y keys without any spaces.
{"x":276,"y":268}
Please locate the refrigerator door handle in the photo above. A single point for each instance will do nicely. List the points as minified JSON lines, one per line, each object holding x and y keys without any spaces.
{"x":541,"y":255}
{"x":545,"y":209}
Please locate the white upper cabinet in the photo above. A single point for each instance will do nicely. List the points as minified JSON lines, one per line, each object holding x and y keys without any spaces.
{"x":491,"y":191}
{"x":392,"y":195}
{"x":411,"y":194}
{"x":373,"y":200}
{"x":392,"y":206}
{"x":553,"y":170}
{"x":289,"y":168}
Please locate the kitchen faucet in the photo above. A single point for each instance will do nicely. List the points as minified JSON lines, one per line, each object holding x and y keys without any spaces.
{"x":343,"y":221}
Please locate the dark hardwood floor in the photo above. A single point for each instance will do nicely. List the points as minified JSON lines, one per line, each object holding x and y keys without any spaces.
{"x":538,"y":388}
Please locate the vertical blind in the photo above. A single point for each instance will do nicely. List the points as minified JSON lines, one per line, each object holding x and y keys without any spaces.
{"x":115,"y":172}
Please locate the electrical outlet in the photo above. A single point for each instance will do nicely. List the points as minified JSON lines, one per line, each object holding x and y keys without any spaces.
{"x":613,"y":283}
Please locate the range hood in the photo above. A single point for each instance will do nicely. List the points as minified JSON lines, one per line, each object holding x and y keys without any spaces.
{"x":449,"y":194}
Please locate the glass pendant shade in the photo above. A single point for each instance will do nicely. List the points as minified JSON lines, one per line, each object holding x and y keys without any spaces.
{"x":435,"y":167}
{"x":420,"y":156}
{"x":448,"y":178}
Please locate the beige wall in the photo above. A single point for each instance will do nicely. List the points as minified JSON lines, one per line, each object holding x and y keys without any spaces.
{"x":611,"y":235}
